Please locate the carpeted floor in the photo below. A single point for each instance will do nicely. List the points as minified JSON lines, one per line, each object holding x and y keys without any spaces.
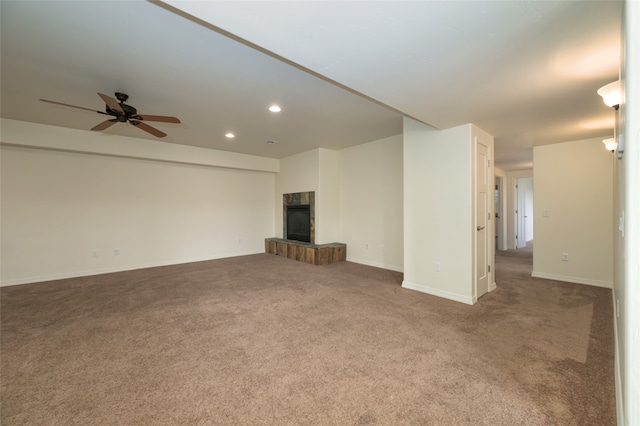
{"x":266,"y":340}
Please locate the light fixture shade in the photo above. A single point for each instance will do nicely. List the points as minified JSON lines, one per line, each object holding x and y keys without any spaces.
{"x":611,"y":94}
{"x":610,"y":143}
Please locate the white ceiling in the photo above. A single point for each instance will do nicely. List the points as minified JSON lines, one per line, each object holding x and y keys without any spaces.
{"x":344,"y":72}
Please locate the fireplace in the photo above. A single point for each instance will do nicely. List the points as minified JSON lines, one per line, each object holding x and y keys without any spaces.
{"x":298,"y":240}
{"x":299,"y":217}
{"x":299,"y":223}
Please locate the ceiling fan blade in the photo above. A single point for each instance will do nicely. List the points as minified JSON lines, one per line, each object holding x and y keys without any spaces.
{"x":147,"y":128}
{"x":72,"y":106}
{"x":162,"y":118}
{"x":111,"y":103}
{"x":104,"y":125}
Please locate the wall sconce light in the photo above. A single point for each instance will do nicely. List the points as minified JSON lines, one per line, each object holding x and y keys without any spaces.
{"x":611,"y":144}
{"x":611,"y":94}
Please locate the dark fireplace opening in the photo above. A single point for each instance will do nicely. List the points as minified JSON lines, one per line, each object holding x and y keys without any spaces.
{"x":299,"y":223}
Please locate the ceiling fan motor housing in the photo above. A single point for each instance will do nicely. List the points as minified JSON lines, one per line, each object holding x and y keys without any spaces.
{"x":129,"y":111}
{"x":122,"y":97}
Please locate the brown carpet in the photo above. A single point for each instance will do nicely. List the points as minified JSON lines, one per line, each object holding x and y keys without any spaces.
{"x":266,"y":340}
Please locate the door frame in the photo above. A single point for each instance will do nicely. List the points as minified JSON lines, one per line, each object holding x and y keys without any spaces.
{"x":488,"y":221}
{"x":501,"y":213}
{"x":512,"y":178}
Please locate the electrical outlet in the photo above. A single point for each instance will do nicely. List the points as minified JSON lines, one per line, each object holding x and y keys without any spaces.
{"x":436,"y":266}
{"x":366,"y":246}
{"x":381,"y":247}
{"x":116,"y":252}
{"x":565,"y":257}
{"x":94,"y":253}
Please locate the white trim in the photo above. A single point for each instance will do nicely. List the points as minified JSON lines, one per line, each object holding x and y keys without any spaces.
{"x":616,"y":363}
{"x":493,"y":286}
{"x":77,"y":274}
{"x":440,"y":293}
{"x":575,"y":280}
{"x":375,"y":264}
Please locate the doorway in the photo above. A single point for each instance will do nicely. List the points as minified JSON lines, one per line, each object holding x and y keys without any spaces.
{"x":500,"y":210}
{"x":524,"y":211}
{"x":483,"y":233}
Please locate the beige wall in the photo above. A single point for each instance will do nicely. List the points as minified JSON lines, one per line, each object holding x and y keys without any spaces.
{"x":315,"y":170}
{"x":371,"y":203}
{"x":358,"y":198}
{"x":328,"y":197}
{"x":58,"y":207}
{"x":34,"y":135}
{"x":573,"y":181}
{"x":298,"y":173}
{"x":438,"y":210}
{"x":627,"y":265}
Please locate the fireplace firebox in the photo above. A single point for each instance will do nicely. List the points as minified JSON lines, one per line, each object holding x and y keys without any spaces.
{"x":299,"y":223}
{"x":298,"y":217}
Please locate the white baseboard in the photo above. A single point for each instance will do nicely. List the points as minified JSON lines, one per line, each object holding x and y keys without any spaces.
{"x":88,"y":273}
{"x":493,"y":286}
{"x":575,"y":280}
{"x":375,"y":264}
{"x":440,"y":293}
{"x":616,"y":361}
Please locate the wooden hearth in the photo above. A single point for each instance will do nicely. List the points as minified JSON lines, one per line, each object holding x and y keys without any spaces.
{"x":314,"y":254}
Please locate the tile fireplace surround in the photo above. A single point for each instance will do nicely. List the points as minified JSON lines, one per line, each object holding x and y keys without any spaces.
{"x":300,"y":199}
{"x":314,"y":254}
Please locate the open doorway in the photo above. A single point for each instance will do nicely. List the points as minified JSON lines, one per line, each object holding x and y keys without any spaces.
{"x":500,"y":209}
{"x":524,"y":212}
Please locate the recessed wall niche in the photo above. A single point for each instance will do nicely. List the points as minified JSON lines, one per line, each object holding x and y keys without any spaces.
{"x":299,"y":199}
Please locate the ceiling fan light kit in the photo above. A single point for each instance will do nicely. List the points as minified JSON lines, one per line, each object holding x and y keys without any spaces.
{"x":123,"y":113}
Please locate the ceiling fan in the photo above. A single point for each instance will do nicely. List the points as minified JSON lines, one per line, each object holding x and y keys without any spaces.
{"x":123,"y":113}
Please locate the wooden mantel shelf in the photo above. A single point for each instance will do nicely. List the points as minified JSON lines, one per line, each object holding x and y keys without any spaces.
{"x":314,"y":254}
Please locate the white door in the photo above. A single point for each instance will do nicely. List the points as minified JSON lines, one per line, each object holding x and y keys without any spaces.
{"x":484,"y":197}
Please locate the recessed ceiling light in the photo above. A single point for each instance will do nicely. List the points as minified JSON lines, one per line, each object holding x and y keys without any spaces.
{"x":271,"y":142}
{"x":230,"y":135}
{"x":275,"y":108}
